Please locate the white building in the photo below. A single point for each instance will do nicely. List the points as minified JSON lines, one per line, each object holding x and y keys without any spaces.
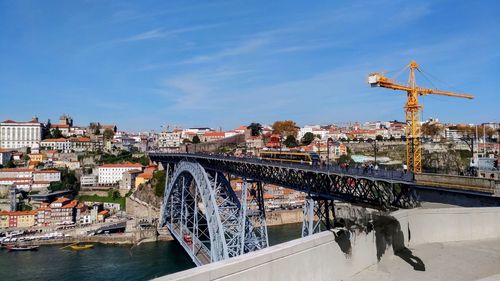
{"x":170,"y":140}
{"x":88,"y":180}
{"x":112,"y":173}
{"x":20,"y":134}
{"x":47,"y":175}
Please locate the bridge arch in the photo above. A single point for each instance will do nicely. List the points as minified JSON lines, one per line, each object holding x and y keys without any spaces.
{"x":203,"y":213}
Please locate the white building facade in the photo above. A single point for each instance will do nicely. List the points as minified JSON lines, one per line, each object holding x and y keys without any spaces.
{"x":113,"y":173}
{"x":15,"y":134}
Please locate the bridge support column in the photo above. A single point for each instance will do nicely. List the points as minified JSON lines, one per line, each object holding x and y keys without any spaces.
{"x":319,"y":215}
{"x":254,"y":214}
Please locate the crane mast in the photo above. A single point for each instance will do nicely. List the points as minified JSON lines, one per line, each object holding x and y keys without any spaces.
{"x":412,"y":111}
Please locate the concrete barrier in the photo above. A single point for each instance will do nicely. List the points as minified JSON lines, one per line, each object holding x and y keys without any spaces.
{"x":456,"y":182}
{"x":341,"y":254}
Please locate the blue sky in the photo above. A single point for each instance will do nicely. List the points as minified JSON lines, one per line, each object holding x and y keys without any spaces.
{"x":142,"y":64}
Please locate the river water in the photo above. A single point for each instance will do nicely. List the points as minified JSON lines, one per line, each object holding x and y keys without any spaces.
{"x":110,"y":262}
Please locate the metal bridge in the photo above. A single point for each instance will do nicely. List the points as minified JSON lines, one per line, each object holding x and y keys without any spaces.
{"x":202,"y":211}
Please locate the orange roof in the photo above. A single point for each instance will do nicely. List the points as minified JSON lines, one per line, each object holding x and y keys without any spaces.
{"x":241,"y":128}
{"x":146,"y":175}
{"x":268,"y":196}
{"x":214,"y":134}
{"x":81,"y":139}
{"x":22,"y":213}
{"x":59,"y":126}
{"x":16,"y":170}
{"x":4,"y":150}
{"x":61,"y":200}
{"x":55,"y":140}
{"x":15,"y":122}
{"x":71,"y":204}
{"x":104,"y":212}
{"x":46,"y":172}
{"x":121,"y":165}
{"x":41,"y":182}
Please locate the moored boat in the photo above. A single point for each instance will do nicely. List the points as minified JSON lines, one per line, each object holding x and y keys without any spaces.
{"x":13,"y":248}
{"x":77,"y":247}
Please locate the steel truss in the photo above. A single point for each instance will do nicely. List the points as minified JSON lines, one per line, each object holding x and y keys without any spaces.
{"x":319,"y":215}
{"x":203,"y":213}
{"x":369,"y":190}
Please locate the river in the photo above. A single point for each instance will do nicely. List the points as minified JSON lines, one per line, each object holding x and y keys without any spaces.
{"x":110,"y":262}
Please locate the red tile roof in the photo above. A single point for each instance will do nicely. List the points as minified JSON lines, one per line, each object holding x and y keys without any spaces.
{"x":214,"y":134}
{"x":121,"y":165}
{"x":16,"y":170}
{"x":46,"y":172}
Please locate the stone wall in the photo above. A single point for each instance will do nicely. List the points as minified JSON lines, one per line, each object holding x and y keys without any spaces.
{"x":140,"y":209}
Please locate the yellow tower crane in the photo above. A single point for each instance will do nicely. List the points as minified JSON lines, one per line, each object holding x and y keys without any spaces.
{"x":412,"y":109}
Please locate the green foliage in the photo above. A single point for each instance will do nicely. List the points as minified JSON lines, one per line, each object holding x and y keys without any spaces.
{"x":10,"y":164}
{"x":158,"y":183}
{"x":186,"y":141}
{"x":114,"y":194}
{"x":345,"y":159}
{"x":255,"y":129}
{"x":392,"y":138}
{"x":379,"y":138}
{"x":56,"y":186}
{"x":56,"y":133}
{"x":290,"y":141}
{"x":307,"y":138}
{"x":196,"y":139}
{"x":122,"y":157}
{"x":68,"y":182}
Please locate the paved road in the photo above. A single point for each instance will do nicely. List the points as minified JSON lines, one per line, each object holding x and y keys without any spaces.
{"x":458,"y":261}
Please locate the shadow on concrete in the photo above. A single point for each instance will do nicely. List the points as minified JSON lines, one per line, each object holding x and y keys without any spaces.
{"x":388,"y":233}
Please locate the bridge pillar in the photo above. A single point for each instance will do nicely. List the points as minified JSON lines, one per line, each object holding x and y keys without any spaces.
{"x":319,"y":215}
{"x":254,"y":213}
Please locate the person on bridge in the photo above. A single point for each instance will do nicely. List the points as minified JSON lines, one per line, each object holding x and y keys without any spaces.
{"x":405,"y":168}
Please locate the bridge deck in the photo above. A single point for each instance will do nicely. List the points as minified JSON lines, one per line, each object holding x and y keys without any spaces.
{"x":386,"y":189}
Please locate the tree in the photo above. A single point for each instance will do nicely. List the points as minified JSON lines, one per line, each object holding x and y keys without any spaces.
{"x":158,"y":182}
{"x":10,"y":164}
{"x":255,"y":129}
{"x":290,"y":141}
{"x":56,"y":186}
{"x":186,"y":141}
{"x":392,"y":138}
{"x":285,"y":128}
{"x":113,"y":193}
{"x":196,"y":139}
{"x":431,"y":129}
{"x":108,"y":134}
{"x":379,"y":138}
{"x":56,"y":133}
{"x":344,"y":159}
{"x":307,"y":138}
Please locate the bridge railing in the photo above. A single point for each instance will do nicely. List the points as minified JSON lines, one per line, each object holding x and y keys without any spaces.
{"x":386,"y":174}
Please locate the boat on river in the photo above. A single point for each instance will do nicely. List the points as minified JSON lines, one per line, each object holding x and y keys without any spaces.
{"x":13,"y":248}
{"x":78,"y":247}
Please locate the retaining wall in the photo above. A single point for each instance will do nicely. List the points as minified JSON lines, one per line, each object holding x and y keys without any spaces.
{"x":336,"y":255}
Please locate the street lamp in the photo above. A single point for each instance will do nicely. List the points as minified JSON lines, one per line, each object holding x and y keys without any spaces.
{"x":374,"y":144}
{"x":328,"y":143}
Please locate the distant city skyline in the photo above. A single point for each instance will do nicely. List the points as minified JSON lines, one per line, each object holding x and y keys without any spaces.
{"x":224,"y":64}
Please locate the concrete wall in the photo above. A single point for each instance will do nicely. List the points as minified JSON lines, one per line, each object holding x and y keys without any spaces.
{"x":475,"y":184}
{"x":336,"y":255}
{"x":422,"y":226}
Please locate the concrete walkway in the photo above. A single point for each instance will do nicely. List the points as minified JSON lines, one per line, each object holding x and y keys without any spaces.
{"x":472,"y":260}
